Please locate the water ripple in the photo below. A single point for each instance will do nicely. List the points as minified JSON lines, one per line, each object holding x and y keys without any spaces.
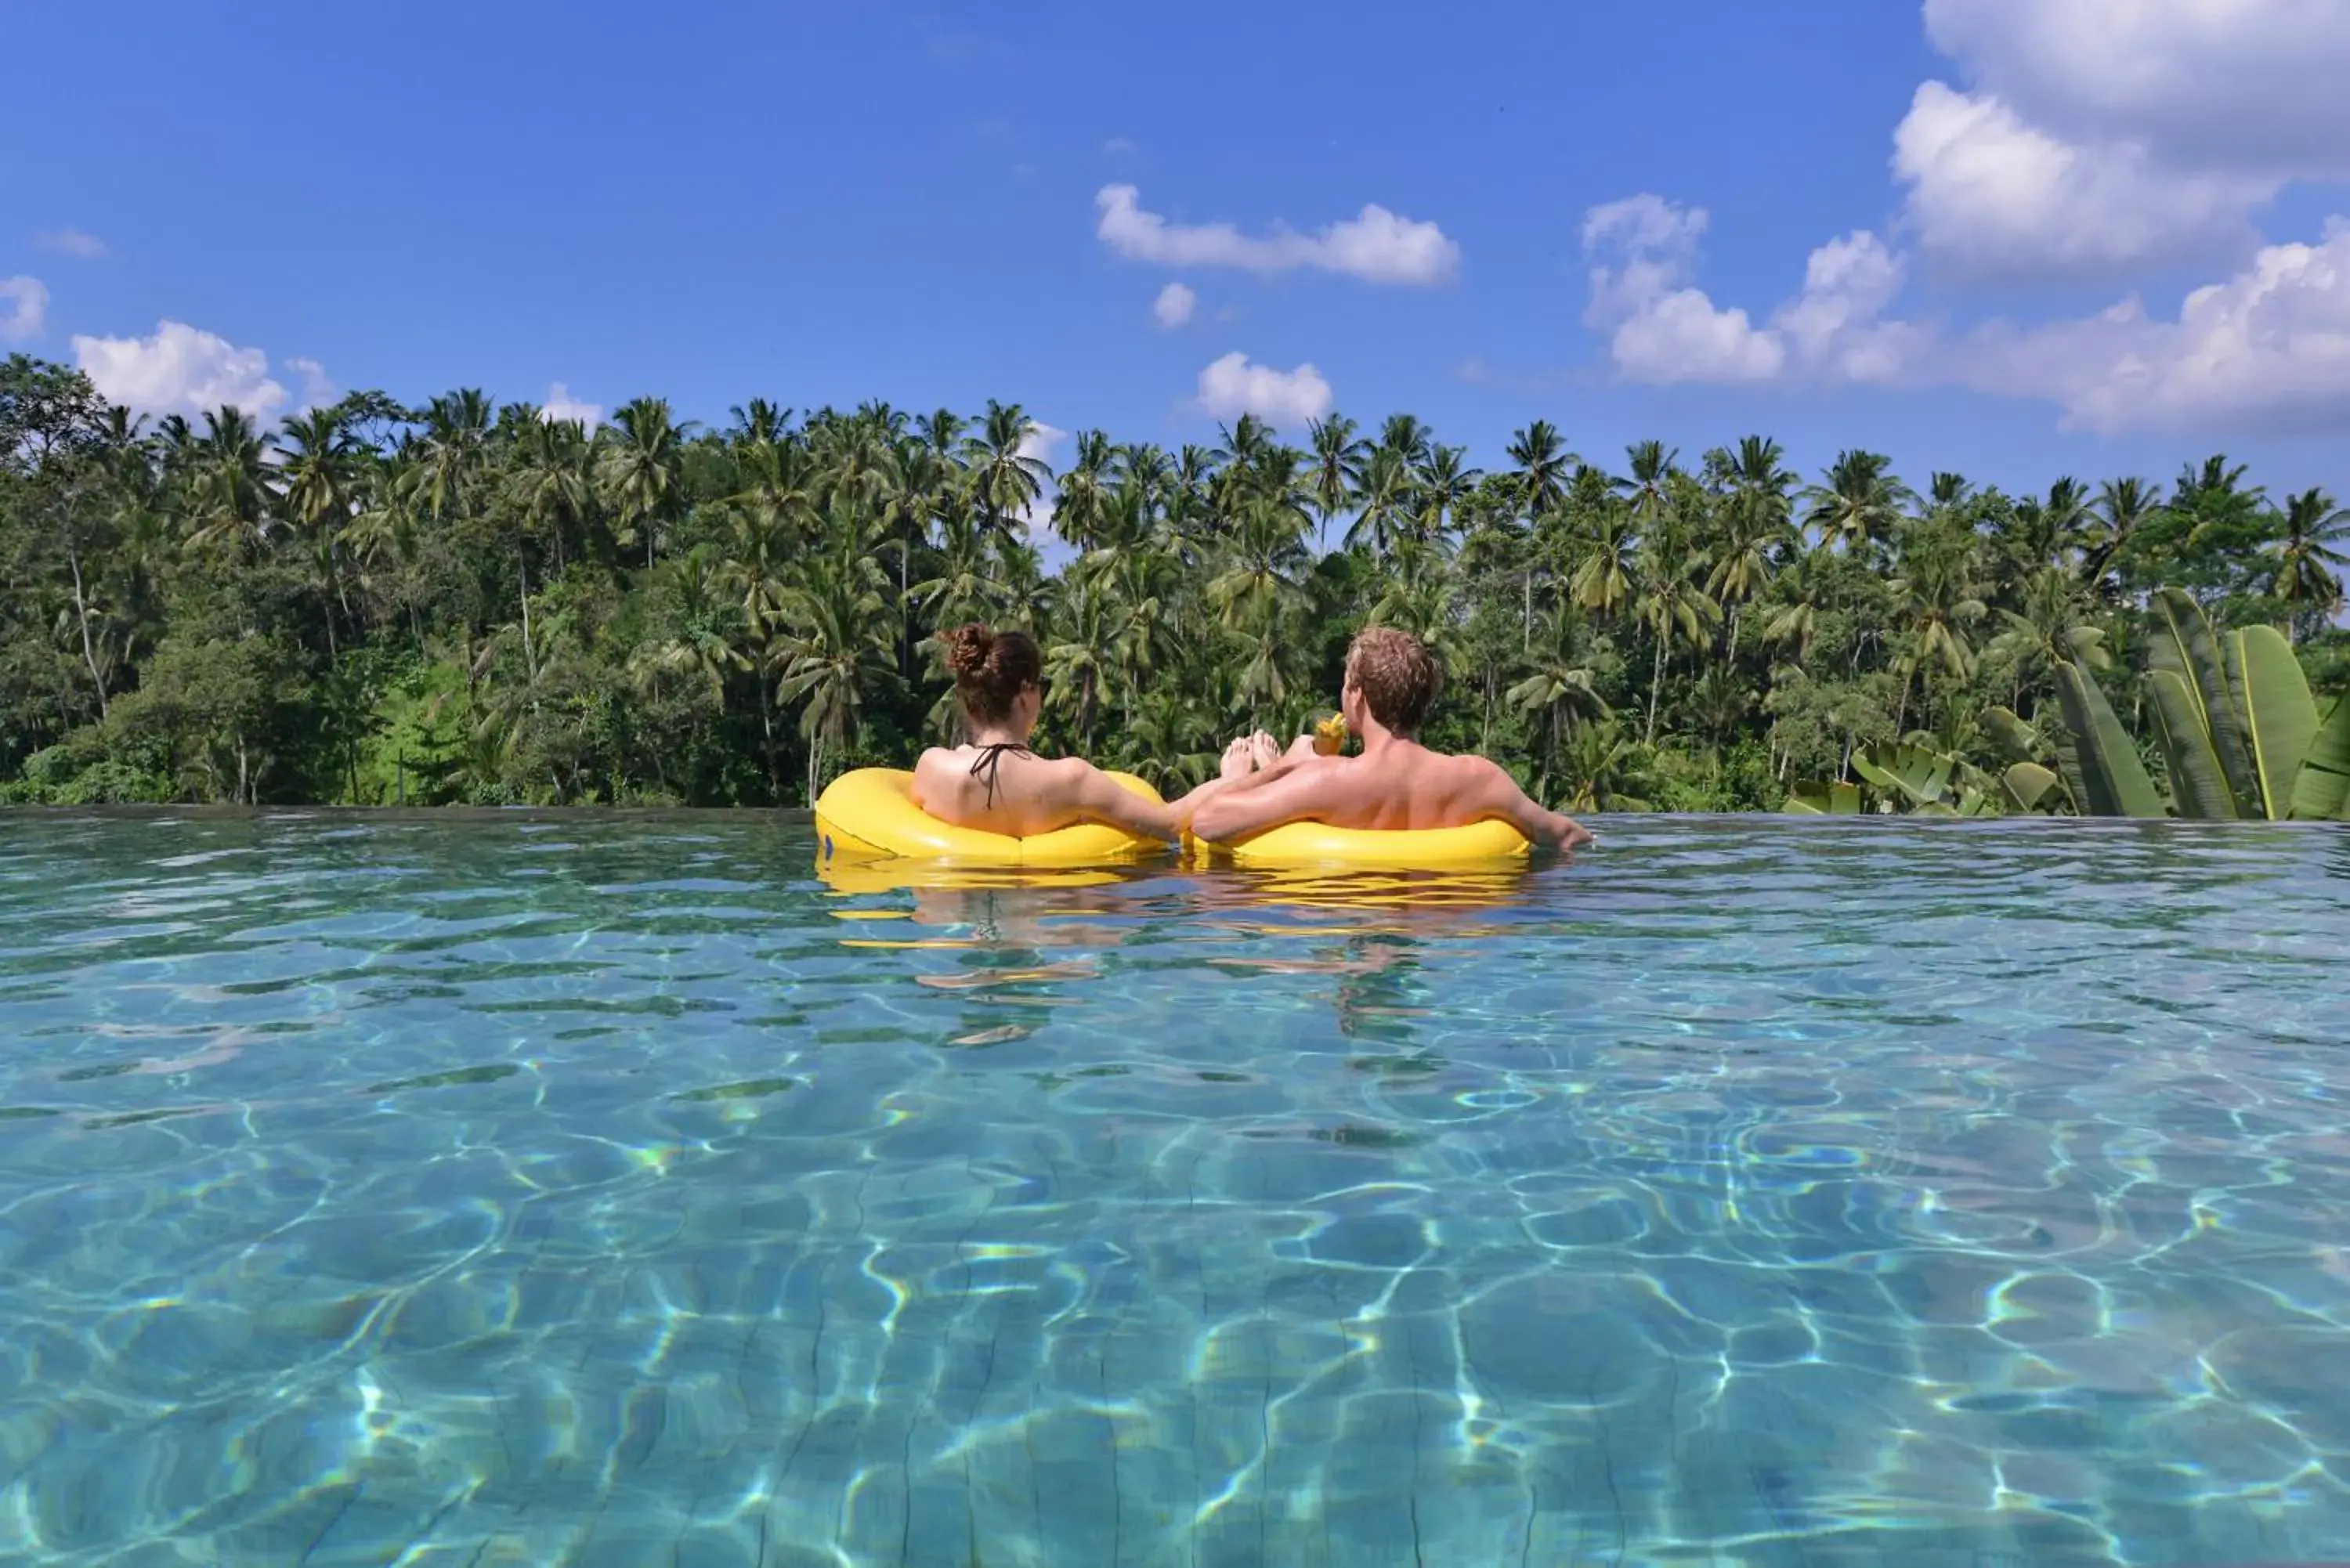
{"x":504,"y":1188}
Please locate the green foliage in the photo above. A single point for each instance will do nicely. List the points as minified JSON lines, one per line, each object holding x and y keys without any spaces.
{"x":2114,"y":778}
{"x":463,"y":602}
{"x":1905,"y":779}
{"x":2223,"y":710}
{"x":2279,"y":715}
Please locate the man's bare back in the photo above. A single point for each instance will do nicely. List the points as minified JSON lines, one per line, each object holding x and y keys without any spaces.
{"x":1406,"y":786}
{"x":1396,"y":784}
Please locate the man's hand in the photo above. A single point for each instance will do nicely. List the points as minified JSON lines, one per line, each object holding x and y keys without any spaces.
{"x":1572,"y":835}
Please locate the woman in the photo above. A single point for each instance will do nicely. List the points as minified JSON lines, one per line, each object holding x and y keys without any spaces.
{"x":993,"y":782}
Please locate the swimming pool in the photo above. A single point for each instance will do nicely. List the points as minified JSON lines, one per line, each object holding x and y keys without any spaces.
{"x":509,"y":1189}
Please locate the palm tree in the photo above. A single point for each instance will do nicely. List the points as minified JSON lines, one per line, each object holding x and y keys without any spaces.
{"x":1672,"y":607}
{"x":2312,"y":526}
{"x":1940,"y":606}
{"x":1407,"y":438}
{"x":1859,"y":504}
{"x":2123,"y":506}
{"x":317,"y":469}
{"x":1337,"y":477}
{"x":229,"y":498}
{"x":1603,"y":579}
{"x":1386,"y":495}
{"x":1647,"y":484}
{"x":456,"y":435}
{"x":2214,"y":520}
{"x":639,"y":467}
{"x":552,"y":479}
{"x":1079,"y":515}
{"x":1542,"y":466}
{"x":1259,"y":576}
{"x":835,"y":654}
{"x":1145,"y":581}
{"x":1242,"y":444}
{"x":1794,"y":625}
{"x":967,"y":586}
{"x":1597,"y":769}
{"x":706,"y":644}
{"x":1444,"y":481}
{"x":1754,"y":527}
{"x":2049,"y":630}
{"x":1419,"y":596}
{"x":758,"y":423}
{"x":1005,"y":480}
{"x":1560,"y":689}
{"x":1079,"y":660}
{"x":758,"y":576}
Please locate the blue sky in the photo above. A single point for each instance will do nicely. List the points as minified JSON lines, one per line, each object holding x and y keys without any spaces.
{"x":834,"y":203}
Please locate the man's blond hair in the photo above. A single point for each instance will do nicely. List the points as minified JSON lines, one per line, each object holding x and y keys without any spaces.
{"x":1397,"y":675}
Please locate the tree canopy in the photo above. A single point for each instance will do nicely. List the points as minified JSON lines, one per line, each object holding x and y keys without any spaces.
{"x":469,"y":602}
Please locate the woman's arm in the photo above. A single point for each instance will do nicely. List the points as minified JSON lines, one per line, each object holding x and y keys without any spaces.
{"x":1097,"y":797}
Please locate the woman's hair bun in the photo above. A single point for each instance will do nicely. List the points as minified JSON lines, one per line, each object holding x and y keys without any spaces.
{"x":967,"y":649}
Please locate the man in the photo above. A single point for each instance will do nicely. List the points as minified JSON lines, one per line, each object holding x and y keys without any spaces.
{"x":1392,"y":682}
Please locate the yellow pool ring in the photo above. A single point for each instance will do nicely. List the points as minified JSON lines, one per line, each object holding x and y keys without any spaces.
{"x":895,"y":874}
{"x":1299,"y":844}
{"x":870,"y":814}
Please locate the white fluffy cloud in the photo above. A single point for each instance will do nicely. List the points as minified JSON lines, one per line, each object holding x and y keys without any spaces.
{"x":561,"y":405}
{"x":1174,"y":306}
{"x":1643,"y":248}
{"x":26,"y":308}
{"x":2092,"y":136}
{"x":1376,"y":245}
{"x":72,"y":242}
{"x":1662,"y":329}
{"x":2255,"y":85}
{"x":179,"y":370}
{"x":318,"y":389}
{"x":1234,"y":385}
{"x":2267,"y":347}
{"x":2088,"y":138}
{"x":2270,"y":347}
{"x":1997,"y":196}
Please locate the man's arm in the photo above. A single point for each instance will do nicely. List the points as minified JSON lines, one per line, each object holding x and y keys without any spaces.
{"x":1290,"y":791}
{"x":1500,"y":798}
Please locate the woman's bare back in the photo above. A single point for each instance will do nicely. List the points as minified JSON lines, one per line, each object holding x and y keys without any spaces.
{"x":1009,"y":790}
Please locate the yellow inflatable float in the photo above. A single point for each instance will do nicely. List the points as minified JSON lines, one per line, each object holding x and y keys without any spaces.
{"x":1303,"y":843}
{"x":870,"y":814}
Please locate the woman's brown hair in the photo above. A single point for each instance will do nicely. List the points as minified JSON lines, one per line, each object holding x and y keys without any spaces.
{"x":991,"y":669}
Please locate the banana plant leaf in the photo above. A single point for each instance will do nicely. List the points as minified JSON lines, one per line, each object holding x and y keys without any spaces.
{"x":2322,"y":790}
{"x":2198,"y":656}
{"x":2281,"y":716}
{"x":1811,"y":798}
{"x":2113,"y":782}
{"x":1919,"y":776}
{"x":2068,"y":771}
{"x":2198,"y":786}
{"x":2027,"y":784}
{"x":2018,"y":740}
{"x":1975,"y":802}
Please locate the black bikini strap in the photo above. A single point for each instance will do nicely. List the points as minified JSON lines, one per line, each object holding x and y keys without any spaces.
{"x":991,"y":757}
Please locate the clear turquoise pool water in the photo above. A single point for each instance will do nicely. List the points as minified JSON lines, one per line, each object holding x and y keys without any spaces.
{"x":511,"y":1190}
